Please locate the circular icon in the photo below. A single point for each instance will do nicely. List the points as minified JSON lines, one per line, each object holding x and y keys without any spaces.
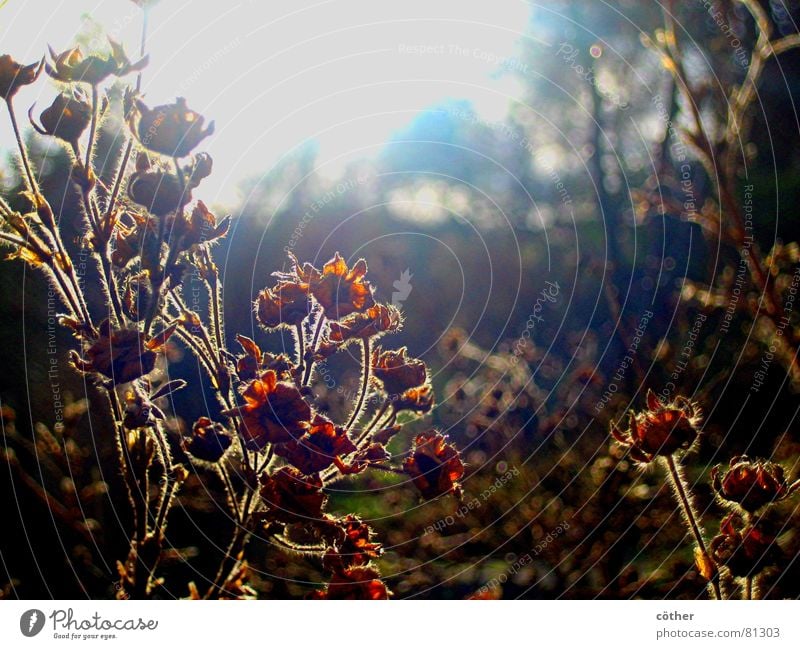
{"x":31,"y":622}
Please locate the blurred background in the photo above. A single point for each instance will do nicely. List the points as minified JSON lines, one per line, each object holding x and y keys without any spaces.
{"x":514,"y":176}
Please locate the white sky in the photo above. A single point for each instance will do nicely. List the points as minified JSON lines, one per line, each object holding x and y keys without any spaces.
{"x":275,"y":73}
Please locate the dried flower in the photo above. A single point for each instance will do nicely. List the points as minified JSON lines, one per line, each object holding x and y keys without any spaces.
{"x":286,"y":304}
{"x":419,"y":400}
{"x":377,"y":319}
{"x":338,"y":289}
{"x":744,"y":550}
{"x":352,"y":545}
{"x":434,"y":465}
{"x":355,"y":583}
{"x":122,"y":355}
{"x":139,"y":410}
{"x":752,"y":484}
{"x":662,"y":429}
{"x":248,"y":364}
{"x":161,"y":193}
{"x":171,"y":129}
{"x":274,"y":412}
{"x":71,"y":65}
{"x":209,"y":440}
{"x":199,"y":227}
{"x":292,"y":497}
{"x":14,"y":75}
{"x":398,"y":372}
{"x":317,"y":449}
{"x":66,"y":118}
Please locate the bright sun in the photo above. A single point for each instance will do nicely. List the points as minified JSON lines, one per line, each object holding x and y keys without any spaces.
{"x":277,"y":74}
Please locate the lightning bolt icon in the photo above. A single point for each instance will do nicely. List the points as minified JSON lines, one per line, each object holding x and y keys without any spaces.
{"x":32,"y":620}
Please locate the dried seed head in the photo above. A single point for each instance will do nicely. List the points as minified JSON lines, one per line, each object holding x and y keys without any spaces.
{"x":661,"y":429}
{"x":292,"y":497}
{"x":173,"y":130}
{"x":341,"y":290}
{"x":274,"y":412}
{"x":72,"y":66}
{"x":318,"y":447}
{"x":208,"y":442}
{"x":745,"y":550}
{"x":398,"y":372}
{"x":66,"y":118}
{"x":434,"y":465}
{"x":285,"y":305}
{"x":752,"y":484}
{"x":14,"y":76}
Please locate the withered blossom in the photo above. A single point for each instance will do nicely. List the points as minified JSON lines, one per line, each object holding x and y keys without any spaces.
{"x":340,"y":290}
{"x":66,"y":118}
{"x":419,"y":400}
{"x":377,"y":319}
{"x":209,"y":440}
{"x":158,"y":191}
{"x":744,"y":549}
{"x":752,"y":484}
{"x":274,"y":411}
{"x":173,"y":130}
{"x":352,"y":545}
{"x":660,"y":430}
{"x":292,"y":497}
{"x":286,"y":304}
{"x":361,"y":583}
{"x":14,"y":76}
{"x":318,"y":447}
{"x":72,"y":66}
{"x":434,"y":465}
{"x":398,"y":372}
{"x":122,"y":355}
{"x":199,"y":227}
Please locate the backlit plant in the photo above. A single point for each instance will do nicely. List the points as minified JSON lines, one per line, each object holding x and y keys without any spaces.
{"x":273,"y":448}
{"x":744,"y":547}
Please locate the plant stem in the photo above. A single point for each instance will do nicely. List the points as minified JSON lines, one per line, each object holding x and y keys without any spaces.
{"x":125,"y":459}
{"x":378,"y":415}
{"x":10,"y":238}
{"x":107,"y":274}
{"x":691,"y":519}
{"x":168,"y":489}
{"x":62,"y":268}
{"x":226,"y":479}
{"x":240,"y":537}
{"x":92,"y":129}
{"x":313,"y":348}
{"x":22,"y":151}
{"x":364,"y":386}
{"x":215,"y":310}
{"x":748,"y":587}
{"x":301,"y":347}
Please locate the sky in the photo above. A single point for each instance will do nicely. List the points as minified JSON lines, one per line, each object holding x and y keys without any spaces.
{"x":275,"y":74}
